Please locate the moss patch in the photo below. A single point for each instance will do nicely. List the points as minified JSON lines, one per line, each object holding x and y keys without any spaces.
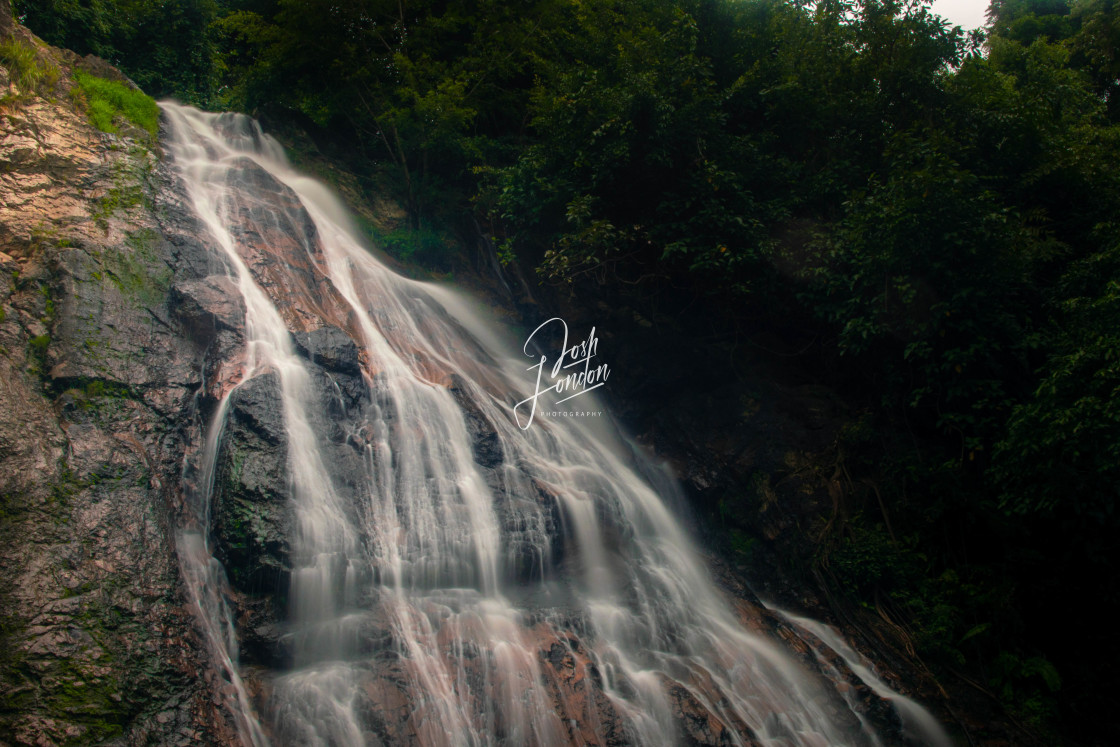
{"x":135,"y":270}
{"x":37,"y":354}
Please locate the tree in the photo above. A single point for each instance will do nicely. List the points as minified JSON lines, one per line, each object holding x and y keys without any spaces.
{"x":422,"y":85}
{"x":163,"y":46}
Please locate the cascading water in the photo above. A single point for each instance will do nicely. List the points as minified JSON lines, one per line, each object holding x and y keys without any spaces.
{"x":463,"y":580}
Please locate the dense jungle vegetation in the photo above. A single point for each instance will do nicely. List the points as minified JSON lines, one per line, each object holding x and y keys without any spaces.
{"x":938,"y":210}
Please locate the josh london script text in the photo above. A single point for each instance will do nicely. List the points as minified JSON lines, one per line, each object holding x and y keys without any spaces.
{"x":576,"y":383}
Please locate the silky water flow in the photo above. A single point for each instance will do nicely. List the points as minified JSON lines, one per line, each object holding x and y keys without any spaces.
{"x":465,"y":581}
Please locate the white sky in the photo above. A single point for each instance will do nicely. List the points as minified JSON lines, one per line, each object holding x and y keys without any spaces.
{"x":966,"y":13}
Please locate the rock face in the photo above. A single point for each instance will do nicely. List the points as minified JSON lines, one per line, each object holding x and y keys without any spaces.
{"x":251,"y":499}
{"x":120,"y":336}
{"x":7,"y":24}
{"x":96,"y":372}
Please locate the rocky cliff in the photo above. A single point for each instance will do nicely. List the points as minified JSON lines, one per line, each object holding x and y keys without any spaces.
{"x":98,"y":643}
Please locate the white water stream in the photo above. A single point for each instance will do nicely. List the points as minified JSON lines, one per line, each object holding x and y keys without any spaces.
{"x":447,"y":580}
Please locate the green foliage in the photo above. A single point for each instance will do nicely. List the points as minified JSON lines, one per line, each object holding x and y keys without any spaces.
{"x":921,"y":278}
{"x":621,"y":136}
{"x":26,"y":70}
{"x":421,"y":86}
{"x":506,"y":254}
{"x":683,"y":141}
{"x":101,"y":114}
{"x":37,"y":354}
{"x":166,"y":47}
{"x":426,"y":247}
{"x":1096,"y":48}
{"x":1061,"y":452}
{"x":742,"y":545}
{"x":107,"y":99}
{"x":868,"y":558}
{"x":1028,"y":684}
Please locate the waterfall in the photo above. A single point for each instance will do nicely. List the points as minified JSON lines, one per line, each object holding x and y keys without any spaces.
{"x":454,"y":577}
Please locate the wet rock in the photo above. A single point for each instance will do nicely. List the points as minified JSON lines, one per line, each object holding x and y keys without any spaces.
{"x":257,"y":405}
{"x":485,"y":443}
{"x":574,"y":687}
{"x":331,"y":348}
{"x":699,"y":727}
{"x":110,"y":307}
{"x":277,"y":239}
{"x":529,"y":518}
{"x":252,"y":521}
{"x":205,"y":306}
{"x":260,"y":631}
{"x":252,"y":517}
{"x":344,"y":399}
